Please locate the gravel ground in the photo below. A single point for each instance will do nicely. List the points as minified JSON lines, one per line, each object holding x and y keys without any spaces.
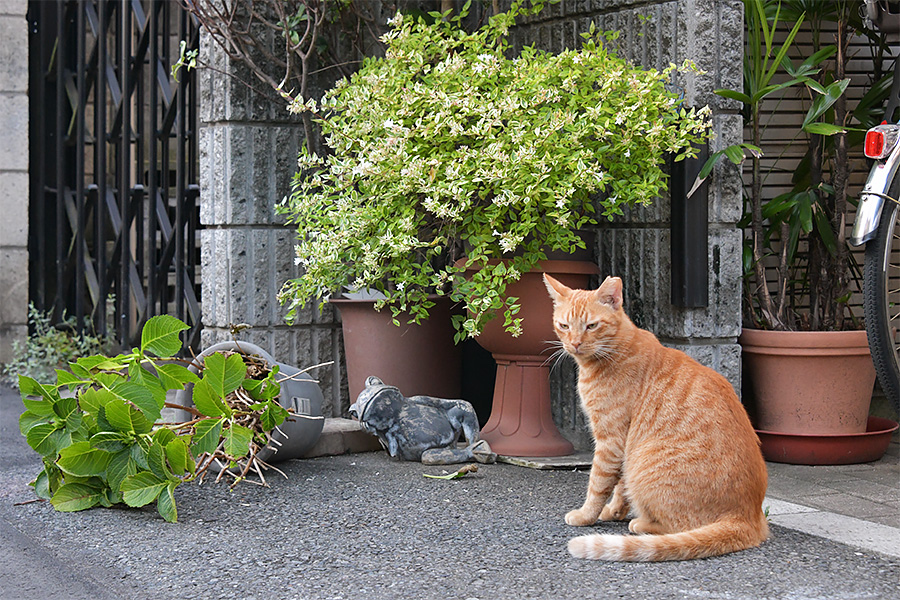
{"x":363,"y":526}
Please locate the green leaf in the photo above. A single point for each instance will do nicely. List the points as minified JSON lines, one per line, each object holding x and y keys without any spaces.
{"x":823,"y":227}
{"x":125,"y":417}
{"x":68,"y":412}
{"x":173,"y":376}
{"x":237,"y":441}
{"x":148,"y":381}
{"x":142,"y":489}
{"x":39,"y":407}
{"x":776,"y":87}
{"x":823,"y":102}
{"x":206,"y":436}
{"x":261,"y":389}
{"x":273,"y":416}
{"x":179,"y":457}
{"x":776,"y":62}
{"x":706,"y":169}
{"x":458,"y":474}
{"x":254,"y":387}
{"x":156,"y":459}
{"x":66,"y":378}
{"x":28,"y":419}
{"x":108,"y":498}
{"x":87,"y":364}
{"x":30,"y":387}
{"x":165,"y":505}
{"x":141,"y":397}
{"x":82,"y":460}
{"x":735,"y":154}
{"x":163,"y":436}
{"x":111,"y":441}
{"x":819,"y":128}
{"x":71,"y":497}
{"x":91,"y":400}
{"x":207,"y":401}
{"x":160,"y":335}
{"x":42,"y":486}
{"x":139,"y":453}
{"x":121,"y":465}
{"x":45,"y":438}
{"x":733,"y":95}
{"x":823,"y":54}
{"x":64,"y":407}
{"x":223,"y":374}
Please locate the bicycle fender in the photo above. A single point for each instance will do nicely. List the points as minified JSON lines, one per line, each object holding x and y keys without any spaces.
{"x":872,"y":199}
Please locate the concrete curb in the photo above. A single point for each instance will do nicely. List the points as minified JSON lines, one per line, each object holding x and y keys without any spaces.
{"x":835,"y":527}
{"x":343,"y":436}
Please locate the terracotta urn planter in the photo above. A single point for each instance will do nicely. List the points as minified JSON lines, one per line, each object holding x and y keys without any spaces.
{"x":416,"y":359}
{"x":521,"y":421}
{"x":809,"y":382}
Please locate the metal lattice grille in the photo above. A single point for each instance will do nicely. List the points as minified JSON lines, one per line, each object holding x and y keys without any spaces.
{"x":114,"y":164}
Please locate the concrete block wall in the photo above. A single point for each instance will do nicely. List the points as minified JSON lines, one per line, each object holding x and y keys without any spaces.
{"x":636,"y":246}
{"x":13,"y":175}
{"x":249,"y":145}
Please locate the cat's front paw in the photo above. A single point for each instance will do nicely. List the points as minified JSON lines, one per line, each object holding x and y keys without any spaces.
{"x":580,"y":518}
{"x":611,"y":513}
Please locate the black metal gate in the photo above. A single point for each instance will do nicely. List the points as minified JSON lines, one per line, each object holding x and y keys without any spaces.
{"x":114,"y":164}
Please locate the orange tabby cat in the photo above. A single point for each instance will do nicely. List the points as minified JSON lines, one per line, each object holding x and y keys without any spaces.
{"x":672,"y":442}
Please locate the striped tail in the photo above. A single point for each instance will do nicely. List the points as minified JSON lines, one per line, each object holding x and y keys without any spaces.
{"x":720,"y":537}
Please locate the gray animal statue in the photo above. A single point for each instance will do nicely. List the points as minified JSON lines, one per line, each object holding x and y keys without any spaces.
{"x":421,"y":427}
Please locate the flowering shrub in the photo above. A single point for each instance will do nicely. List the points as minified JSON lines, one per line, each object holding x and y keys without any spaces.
{"x":447,"y":148}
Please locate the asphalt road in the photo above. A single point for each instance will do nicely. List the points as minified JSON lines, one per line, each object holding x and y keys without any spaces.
{"x":363,"y":526}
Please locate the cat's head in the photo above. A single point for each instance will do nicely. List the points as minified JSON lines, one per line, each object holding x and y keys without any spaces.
{"x":587,"y":322}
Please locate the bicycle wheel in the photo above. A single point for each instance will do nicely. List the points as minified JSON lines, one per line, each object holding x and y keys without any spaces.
{"x":881,"y":292}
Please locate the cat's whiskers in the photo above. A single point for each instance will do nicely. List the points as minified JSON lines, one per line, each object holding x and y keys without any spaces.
{"x":557,"y":356}
{"x":605,"y":351}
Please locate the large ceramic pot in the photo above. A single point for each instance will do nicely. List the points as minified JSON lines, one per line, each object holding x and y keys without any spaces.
{"x":416,"y":359}
{"x":521,"y":421}
{"x":809,"y":382}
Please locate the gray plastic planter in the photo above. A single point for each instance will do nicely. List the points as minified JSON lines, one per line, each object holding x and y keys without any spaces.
{"x":298,"y":393}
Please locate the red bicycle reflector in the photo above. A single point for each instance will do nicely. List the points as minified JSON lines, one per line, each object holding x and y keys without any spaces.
{"x":874,"y":143}
{"x":881,"y":140}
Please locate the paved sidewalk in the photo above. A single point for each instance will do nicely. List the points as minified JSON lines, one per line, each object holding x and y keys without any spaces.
{"x":853,"y":504}
{"x":363,"y":526}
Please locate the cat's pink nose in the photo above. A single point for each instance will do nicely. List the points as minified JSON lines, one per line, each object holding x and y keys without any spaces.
{"x":575,"y":346}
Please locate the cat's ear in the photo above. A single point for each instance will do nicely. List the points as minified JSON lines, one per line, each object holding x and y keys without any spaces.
{"x":556,"y":290}
{"x":610,"y":292}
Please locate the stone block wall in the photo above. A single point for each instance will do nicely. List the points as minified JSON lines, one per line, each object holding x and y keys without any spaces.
{"x":636,"y":247}
{"x":249,"y":145}
{"x":13,"y":175}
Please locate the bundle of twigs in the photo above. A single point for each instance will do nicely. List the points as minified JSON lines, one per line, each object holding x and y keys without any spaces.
{"x":240,"y":403}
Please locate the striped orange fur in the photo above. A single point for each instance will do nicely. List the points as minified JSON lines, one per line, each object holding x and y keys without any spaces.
{"x":673,"y":444}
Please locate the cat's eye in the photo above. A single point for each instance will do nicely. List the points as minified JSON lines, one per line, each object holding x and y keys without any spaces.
{"x":563,"y":326}
{"x":591,"y":326}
